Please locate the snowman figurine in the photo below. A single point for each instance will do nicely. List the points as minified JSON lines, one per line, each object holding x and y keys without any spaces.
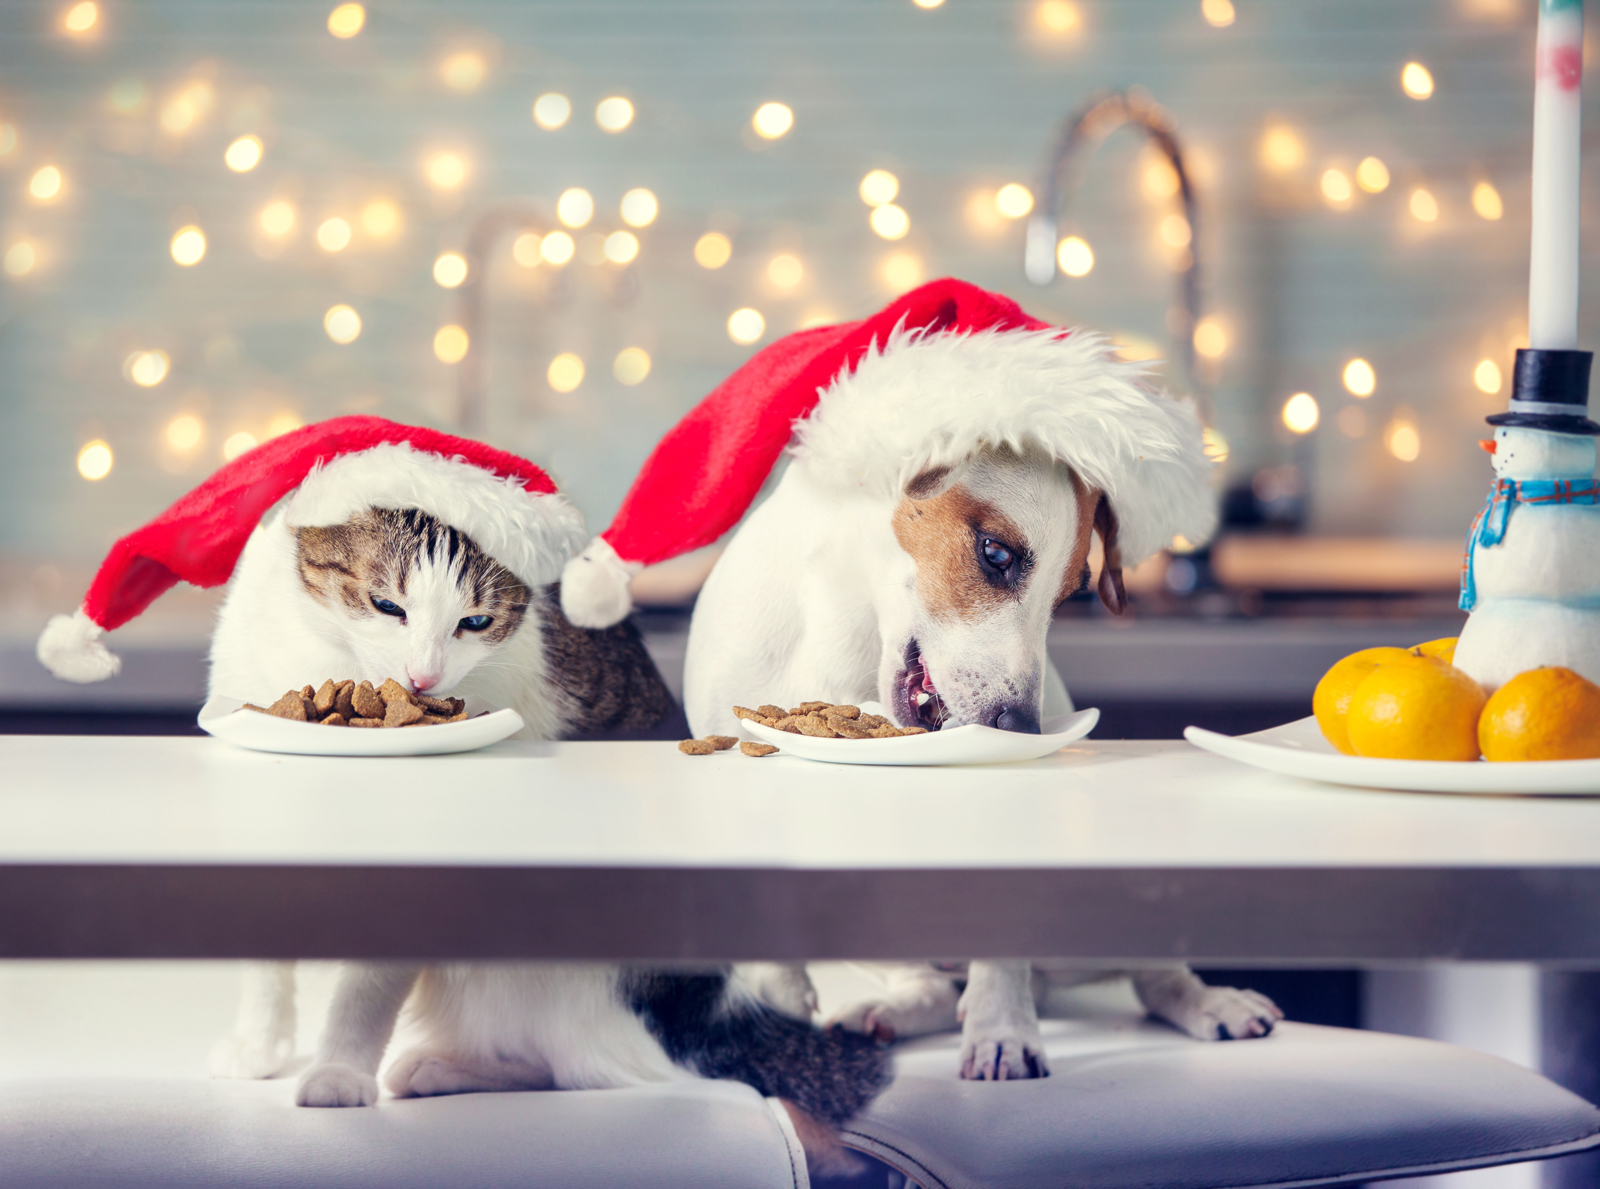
{"x":1531,"y":578}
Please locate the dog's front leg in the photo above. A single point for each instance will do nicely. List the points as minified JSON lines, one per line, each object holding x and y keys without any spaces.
{"x":1176,"y":994}
{"x":1000,"y":1038}
{"x":360,"y":1022}
{"x":262,"y":1041}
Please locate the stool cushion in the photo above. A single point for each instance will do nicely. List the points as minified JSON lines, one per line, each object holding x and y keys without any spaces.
{"x":1132,"y":1104}
{"x":126,"y":1133}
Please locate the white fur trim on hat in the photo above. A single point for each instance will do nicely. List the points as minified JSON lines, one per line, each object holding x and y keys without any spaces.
{"x":923,"y":401}
{"x":70,"y":648}
{"x":594,"y":586}
{"x":530,"y":533}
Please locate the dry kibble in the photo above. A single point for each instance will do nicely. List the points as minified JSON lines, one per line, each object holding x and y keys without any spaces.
{"x":334,"y":720}
{"x":402,"y":713}
{"x":392,"y":691}
{"x":697,"y":747}
{"x":307,"y":692}
{"x":812,"y":707}
{"x":811,"y":725}
{"x":886,"y":731}
{"x":366,"y":722}
{"x":845,"y":711}
{"x":757,"y":749}
{"x":344,"y":701}
{"x":823,"y":720}
{"x":324,"y":698}
{"x":722,"y":742}
{"x":291,"y":706}
{"x":746,"y":712}
{"x":771,"y":711}
{"x":366,"y":702}
{"x":788,"y":722}
{"x":846,"y":729}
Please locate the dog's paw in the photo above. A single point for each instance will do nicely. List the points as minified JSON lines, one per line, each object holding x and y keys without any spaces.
{"x":422,"y":1074}
{"x":250,"y":1057}
{"x":336,"y":1085}
{"x":872,"y":1017}
{"x":989,"y":1057}
{"x":1228,"y":1013}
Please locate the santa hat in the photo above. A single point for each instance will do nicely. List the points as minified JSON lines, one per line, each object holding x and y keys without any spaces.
{"x":336,"y":469}
{"x":926,"y":382}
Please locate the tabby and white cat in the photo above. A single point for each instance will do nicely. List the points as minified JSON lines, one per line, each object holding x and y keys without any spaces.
{"x":398,"y":593}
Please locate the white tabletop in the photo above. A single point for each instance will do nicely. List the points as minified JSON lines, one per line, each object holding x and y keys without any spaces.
{"x":1105,"y":849}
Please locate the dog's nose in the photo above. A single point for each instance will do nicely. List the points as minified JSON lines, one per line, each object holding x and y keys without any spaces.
{"x":1014,"y":718}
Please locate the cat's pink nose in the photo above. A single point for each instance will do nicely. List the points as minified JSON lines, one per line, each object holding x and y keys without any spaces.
{"x":423,"y":682}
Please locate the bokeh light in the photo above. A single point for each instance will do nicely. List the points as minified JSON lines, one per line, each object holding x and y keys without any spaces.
{"x":346,"y":20}
{"x":1424,"y":206}
{"x":243,"y":154}
{"x":746,"y":325}
{"x":565,"y":372}
{"x":463,"y":70}
{"x":1281,"y":149}
{"x":1486,"y":201}
{"x":1157,"y":178}
{"x":1416,"y":81}
{"x":188,"y":246}
{"x":613,"y":113}
{"x":1359,"y":378}
{"x":21,"y":257}
{"x":575,"y":207}
{"x":238,"y":443}
{"x":81,"y":19}
{"x":1487,"y":376}
{"x":901,"y":271}
{"x":1217,"y":13}
{"x":185,"y":432}
{"x":621,"y":247}
{"x":890,"y":221}
{"x":1336,"y":188}
{"x":1403,"y":441}
{"x":1301,"y":413}
{"x":878,"y":187}
{"x":1175,"y":232}
{"x":450,"y":344}
{"x":146,"y":368}
{"x":277,"y":218}
{"x":95,"y":460}
{"x":447,"y":171}
{"x":1372,"y":175}
{"x":772,"y":120}
{"x":639,"y":207}
{"x":343,"y":324}
{"x":1056,"y":18}
{"x":1013,"y":200}
{"x":1075,"y":256}
{"x":450,"y":269}
{"x":380,"y":218}
{"x":333,"y":235}
{"x":557,"y":248}
{"x":552,"y":110}
{"x":525,"y":249}
{"x":712,"y":250}
{"x":631,"y":365}
{"x":1210,"y":338}
{"x":186,"y":107}
{"x":785,"y":271}
{"x":46,"y":184}
{"x":282,"y":423}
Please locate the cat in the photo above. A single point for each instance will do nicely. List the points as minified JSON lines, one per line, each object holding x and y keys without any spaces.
{"x":398,"y":593}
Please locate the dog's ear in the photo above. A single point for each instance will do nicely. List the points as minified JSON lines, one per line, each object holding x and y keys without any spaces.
{"x":1112,"y":592}
{"x":935,"y":481}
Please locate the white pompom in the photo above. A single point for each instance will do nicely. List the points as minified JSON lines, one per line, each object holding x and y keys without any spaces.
{"x":70,"y":648}
{"x":594,"y":586}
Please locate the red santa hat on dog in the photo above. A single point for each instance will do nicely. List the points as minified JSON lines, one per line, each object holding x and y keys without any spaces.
{"x":926,"y":382}
{"x":335,"y":469}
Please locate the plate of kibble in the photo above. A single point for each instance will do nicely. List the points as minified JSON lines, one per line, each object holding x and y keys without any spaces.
{"x":351,"y":718}
{"x":837,"y":733}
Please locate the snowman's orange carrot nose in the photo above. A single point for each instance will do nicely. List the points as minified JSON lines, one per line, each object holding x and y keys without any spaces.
{"x":1486,"y":445}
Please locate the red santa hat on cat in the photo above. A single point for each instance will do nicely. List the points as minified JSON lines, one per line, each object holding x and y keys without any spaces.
{"x":335,"y":469}
{"x":926,"y":382}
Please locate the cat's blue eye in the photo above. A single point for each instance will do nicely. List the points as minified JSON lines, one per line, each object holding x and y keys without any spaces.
{"x":389,"y":608}
{"x":476,"y":623}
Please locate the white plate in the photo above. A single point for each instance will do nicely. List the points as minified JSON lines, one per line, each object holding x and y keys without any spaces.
{"x":971,"y":744}
{"x":223,"y":718}
{"x":1298,"y":749}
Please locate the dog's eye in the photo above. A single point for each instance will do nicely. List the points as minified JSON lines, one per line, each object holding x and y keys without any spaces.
{"x":389,"y":608}
{"x":476,"y":623}
{"x":997,"y":554}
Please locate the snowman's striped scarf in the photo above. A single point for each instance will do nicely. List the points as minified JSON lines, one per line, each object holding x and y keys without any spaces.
{"x":1489,"y":528}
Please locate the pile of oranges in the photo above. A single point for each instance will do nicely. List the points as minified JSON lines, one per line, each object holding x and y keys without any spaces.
{"x":1413,"y":704}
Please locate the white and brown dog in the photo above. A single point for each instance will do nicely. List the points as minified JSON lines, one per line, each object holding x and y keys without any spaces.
{"x":938,"y":507}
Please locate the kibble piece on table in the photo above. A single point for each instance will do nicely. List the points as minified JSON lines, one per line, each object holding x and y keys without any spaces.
{"x":757,"y":749}
{"x":697,"y":747}
{"x":722,"y":742}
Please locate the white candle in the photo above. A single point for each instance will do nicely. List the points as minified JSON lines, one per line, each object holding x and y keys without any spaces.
{"x":1553,"y":268}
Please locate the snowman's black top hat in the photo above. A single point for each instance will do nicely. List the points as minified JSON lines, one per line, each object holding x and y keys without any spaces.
{"x":1550,"y":391}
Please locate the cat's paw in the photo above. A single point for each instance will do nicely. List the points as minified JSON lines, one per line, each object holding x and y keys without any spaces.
{"x":1226,"y":1013}
{"x":336,"y":1085}
{"x":250,"y":1057}
{"x":422,"y":1074}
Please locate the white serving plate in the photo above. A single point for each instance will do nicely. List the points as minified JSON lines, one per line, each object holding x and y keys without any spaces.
{"x":1298,"y":749}
{"x":223,"y":718}
{"x":971,"y":744}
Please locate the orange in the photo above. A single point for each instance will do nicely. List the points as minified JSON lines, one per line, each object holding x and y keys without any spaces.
{"x":1445,"y":649}
{"x":1332,"y":700}
{"x":1544,"y":714}
{"x":1416,"y":708}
